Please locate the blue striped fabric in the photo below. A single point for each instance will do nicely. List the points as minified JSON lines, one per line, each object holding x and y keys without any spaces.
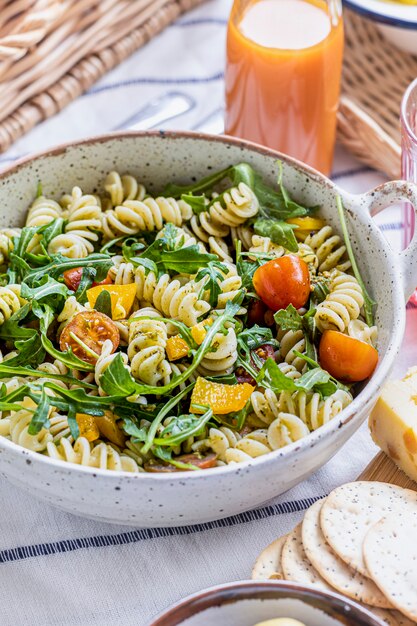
{"x":102,"y":541}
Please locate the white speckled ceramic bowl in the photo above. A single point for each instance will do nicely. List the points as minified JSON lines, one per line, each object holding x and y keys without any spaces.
{"x":247,"y":603}
{"x":190,"y":497}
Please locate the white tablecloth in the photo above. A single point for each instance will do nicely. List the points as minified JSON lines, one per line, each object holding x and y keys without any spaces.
{"x":60,"y":569}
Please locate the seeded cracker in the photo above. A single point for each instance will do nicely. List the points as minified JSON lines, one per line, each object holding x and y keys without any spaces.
{"x":335,"y":571}
{"x":390,"y":551}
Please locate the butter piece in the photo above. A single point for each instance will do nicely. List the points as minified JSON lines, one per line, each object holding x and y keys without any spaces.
{"x":393,"y":422}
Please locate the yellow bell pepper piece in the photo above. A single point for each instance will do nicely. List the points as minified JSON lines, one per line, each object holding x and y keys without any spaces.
{"x":221,"y":398}
{"x":176,"y":348}
{"x":198,"y":332}
{"x":307,"y":223}
{"x":109,"y":429}
{"x":122,"y":298}
{"x":87,"y":426}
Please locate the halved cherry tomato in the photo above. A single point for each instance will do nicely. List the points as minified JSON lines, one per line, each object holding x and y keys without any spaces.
{"x":86,"y":333}
{"x":283,"y":281}
{"x":264,"y":352}
{"x":346,"y":358}
{"x":202,"y":462}
{"x":72,"y":278}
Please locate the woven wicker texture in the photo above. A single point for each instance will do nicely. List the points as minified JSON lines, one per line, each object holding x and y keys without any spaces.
{"x":51,"y":51}
{"x":375,"y":77}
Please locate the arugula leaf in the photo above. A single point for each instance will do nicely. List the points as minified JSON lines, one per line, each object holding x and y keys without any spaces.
{"x":45,"y":287}
{"x":187,"y":260}
{"x":368,"y":302}
{"x":59,"y":264}
{"x":315,"y":379}
{"x":87,"y":278}
{"x":289,"y":318}
{"x":214,"y":274}
{"x":236,"y":173}
{"x":165,"y":454}
{"x":117,"y":380}
{"x":131,"y":429}
{"x":181,"y":427}
{"x":103,"y":303}
{"x":197,"y":203}
{"x":279,"y":232}
{"x":7,"y":370}
{"x":40,"y":417}
{"x":271,"y":376}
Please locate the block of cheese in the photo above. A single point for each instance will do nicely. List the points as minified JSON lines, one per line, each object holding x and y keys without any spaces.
{"x":393,"y":422}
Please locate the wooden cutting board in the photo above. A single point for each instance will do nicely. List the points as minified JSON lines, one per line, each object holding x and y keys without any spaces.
{"x":381,"y":468}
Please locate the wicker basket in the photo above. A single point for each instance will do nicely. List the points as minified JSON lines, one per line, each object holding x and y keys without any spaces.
{"x":375,"y":77}
{"x":51,"y":51}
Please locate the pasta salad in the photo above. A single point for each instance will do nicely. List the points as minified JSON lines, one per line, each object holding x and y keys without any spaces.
{"x":210,"y":325}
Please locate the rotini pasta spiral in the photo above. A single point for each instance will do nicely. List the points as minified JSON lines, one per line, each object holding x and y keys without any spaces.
{"x":102,"y":456}
{"x":6,"y":243}
{"x":286,"y":429}
{"x":169,"y":297}
{"x":222,"y":356}
{"x":238,"y":204}
{"x":56,"y":368}
{"x":360,"y":330}
{"x":10,"y":302}
{"x":133,"y":216}
{"x":43,"y":211}
{"x":341,"y":305}
{"x":231,"y":447}
{"x":264,"y":245}
{"x":243,"y":234}
{"x":330,"y":251}
{"x":146,"y":351}
{"x":121,"y":188}
{"x":204,"y":227}
{"x":19,"y":423}
{"x":71,"y":308}
{"x":84,"y":220}
{"x":291,"y":340}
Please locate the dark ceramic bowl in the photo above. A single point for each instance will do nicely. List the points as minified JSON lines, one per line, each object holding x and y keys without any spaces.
{"x":247,"y":603}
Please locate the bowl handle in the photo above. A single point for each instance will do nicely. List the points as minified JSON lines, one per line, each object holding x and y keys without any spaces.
{"x":384,"y":196}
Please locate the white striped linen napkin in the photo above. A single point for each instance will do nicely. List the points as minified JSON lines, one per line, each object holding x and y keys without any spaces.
{"x":58,"y":569}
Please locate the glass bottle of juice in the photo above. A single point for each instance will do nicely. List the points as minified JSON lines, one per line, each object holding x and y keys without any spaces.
{"x":284,"y":64}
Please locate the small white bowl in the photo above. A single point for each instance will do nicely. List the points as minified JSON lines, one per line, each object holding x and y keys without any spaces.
{"x":396,"y":21}
{"x":248,"y":603}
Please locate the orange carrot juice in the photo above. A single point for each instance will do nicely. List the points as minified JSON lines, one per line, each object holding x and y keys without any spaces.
{"x":284,"y":63}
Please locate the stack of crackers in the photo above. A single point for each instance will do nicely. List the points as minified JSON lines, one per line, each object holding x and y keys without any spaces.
{"x":360,"y":541}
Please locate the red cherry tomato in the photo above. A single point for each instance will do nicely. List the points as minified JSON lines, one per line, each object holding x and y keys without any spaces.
{"x":283,"y":281}
{"x":346,"y":358}
{"x":72,"y":279}
{"x":264,"y":352}
{"x":86,"y":333}
{"x":256,"y":313}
